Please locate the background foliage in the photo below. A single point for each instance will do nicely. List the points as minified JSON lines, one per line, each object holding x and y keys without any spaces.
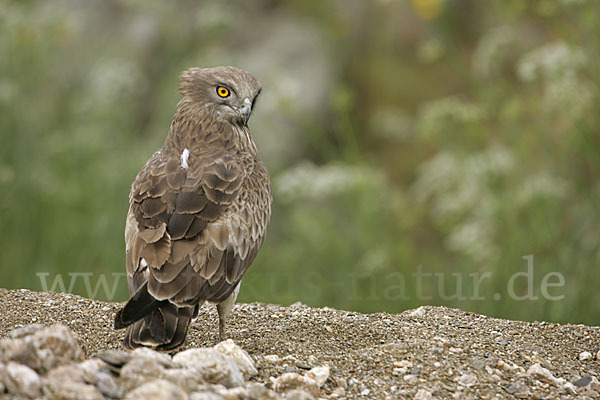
{"x":449,"y":137}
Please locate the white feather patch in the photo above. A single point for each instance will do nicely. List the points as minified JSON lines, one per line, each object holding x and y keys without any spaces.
{"x":185,"y":154}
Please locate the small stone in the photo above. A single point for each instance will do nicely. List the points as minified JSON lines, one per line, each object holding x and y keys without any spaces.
{"x":20,"y":380}
{"x":518,"y":389}
{"x":72,"y":390}
{"x":585,"y":355}
{"x":71,"y":372}
{"x":211,"y":365}
{"x":291,"y":381}
{"x":258,"y":391}
{"x":423,"y":394}
{"x":90,"y":368}
{"x":272,"y":359}
{"x":157,"y":390}
{"x":23,"y":331}
{"x":115,"y":357}
{"x":542,"y":374}
{"x":139,"y":370}
{"x":467,"y":380}
{"x":239,"y":356}
{"x":107,"y":385}
{"x":598,"y":355}
{"x":570,"y":388}
{"x":205,"y":396}
{"x":583,"y":382}
{"x":410,"y":379}
{"x":319,"y":374}
{"x":503,"y":366}
{"x":186,"y":379}
{"x":403,"y":364}
{"x":298,"y":394}
{"x":160,"y":358}
{"x":417,"y":313}
{"x":365,"y":392}
{"x":57,"y":345}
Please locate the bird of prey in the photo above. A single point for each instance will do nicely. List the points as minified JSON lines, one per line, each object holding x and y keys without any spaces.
{"x":198,"y":211}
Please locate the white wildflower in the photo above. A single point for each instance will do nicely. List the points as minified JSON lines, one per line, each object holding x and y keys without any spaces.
{"x":551,"y":61}
{"x":492,"y":50}
{"x":308,"y":181}
{"x":438,"y":116}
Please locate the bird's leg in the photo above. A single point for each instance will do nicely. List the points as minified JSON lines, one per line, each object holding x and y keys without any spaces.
{"x":224,"y":309}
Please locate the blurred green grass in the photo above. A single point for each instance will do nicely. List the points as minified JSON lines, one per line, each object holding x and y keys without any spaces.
{"x":451,"y":137}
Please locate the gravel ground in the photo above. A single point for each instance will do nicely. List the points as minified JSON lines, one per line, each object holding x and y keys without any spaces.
{"x":430,"y":352}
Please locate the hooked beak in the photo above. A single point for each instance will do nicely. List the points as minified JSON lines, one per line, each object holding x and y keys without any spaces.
{"x":245,"y":110}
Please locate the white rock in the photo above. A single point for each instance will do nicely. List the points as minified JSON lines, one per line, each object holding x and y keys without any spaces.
{"x":107,"y":385}
{"x":423,"y":394}
{"x":161,"y":358}
{"x":239,"y":356}
{"x":298,"y":394}
{"x":403,"y":364}
{"x":319,"y":374}
{"x":272,"y":358}
{"x":211,"y":365}
{"x":186,"y":379}
{"x":72,"y":390}
{"x":21,"y":380}
{"x":417,"y":313}
{"x":157,"y":390}
{"x":585,"y":355}
{"x":570,"y":388}
{"x":410,"y":379}
{"x":542,"y":374}
{"x":205,"y":396}
{"x":467,"y":380}
{"x":139,"y":370}
{"x":90,"y":368}
{"x":291,"y":381}
{"x":56,"y":344}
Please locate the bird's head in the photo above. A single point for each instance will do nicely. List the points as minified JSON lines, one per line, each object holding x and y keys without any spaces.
{"x":228,"y":93}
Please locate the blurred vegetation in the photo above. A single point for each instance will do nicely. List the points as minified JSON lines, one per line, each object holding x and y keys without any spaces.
{"x":448,"y":137}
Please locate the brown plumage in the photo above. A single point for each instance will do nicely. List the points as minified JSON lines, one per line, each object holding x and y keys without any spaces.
{"x":198,"y":211}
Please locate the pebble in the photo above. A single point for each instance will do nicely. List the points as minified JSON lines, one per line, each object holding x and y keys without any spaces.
{"x":297,"y":394}
{"x":585,"y":355}
{"x":582,"y":382}
{"x":239,"y":357}
{"x":72,"y":390}
{"x":570,"y":388}
{"x":211,"y":365}
{"x":518,"y":389}
{"x":21,"y":380}
{"x":410,"y":379}
{"x":157,"y":390}
{"x":417,"y":313}
{"x":467,"y":380}
{"x":291,"y":381}
{"x":319,"y":374}
{"x":544,"y":375}
{"x":423,"y":394}
{"x":272,"y":358}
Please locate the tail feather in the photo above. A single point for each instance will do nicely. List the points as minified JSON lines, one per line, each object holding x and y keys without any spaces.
{"x":137,"y":307}
{"x":165,"y":328}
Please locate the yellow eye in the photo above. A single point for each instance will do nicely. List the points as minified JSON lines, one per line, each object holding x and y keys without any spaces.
{"x":222,"y":91}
